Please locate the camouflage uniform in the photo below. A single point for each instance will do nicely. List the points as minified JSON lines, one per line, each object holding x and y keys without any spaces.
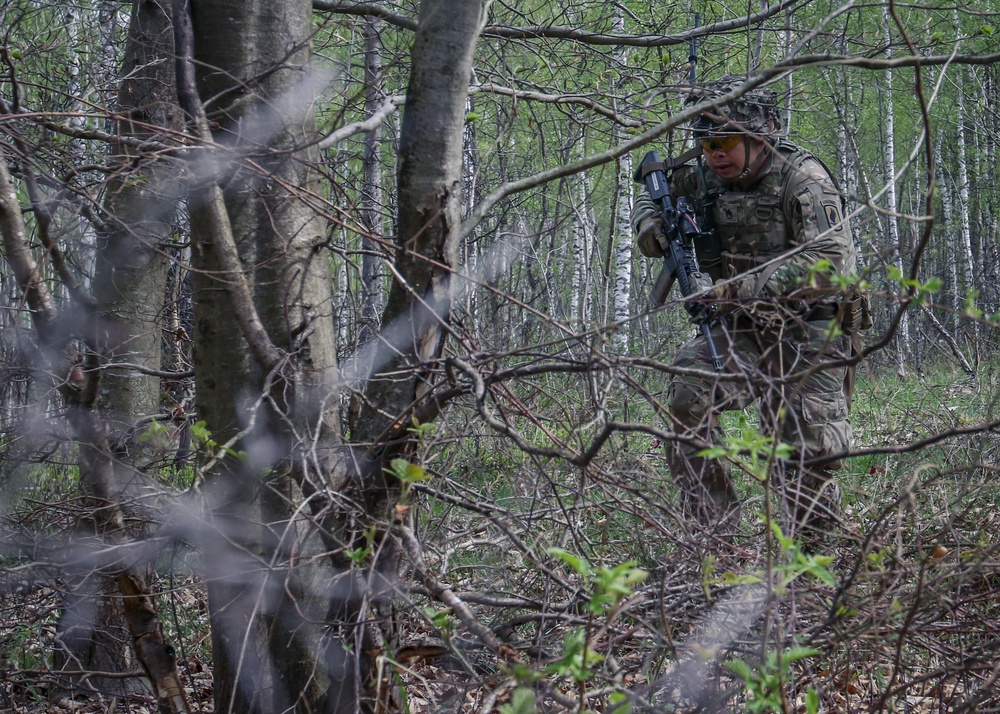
{"x":780,"y":328}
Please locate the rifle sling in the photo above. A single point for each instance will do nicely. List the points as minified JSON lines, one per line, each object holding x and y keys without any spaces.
{"x":668,"y":166}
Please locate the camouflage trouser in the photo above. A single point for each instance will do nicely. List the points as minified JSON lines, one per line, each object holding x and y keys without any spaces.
{"x":809,"y":412}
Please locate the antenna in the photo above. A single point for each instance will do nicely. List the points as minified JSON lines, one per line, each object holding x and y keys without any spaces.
{"x":693,"y":51}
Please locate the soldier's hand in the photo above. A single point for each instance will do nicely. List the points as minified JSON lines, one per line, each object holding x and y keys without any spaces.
{"x":722,"y":297}
{"x":651,"y":236}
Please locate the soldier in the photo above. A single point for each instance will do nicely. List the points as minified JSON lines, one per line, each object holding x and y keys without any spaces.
{"x":774,"y":235}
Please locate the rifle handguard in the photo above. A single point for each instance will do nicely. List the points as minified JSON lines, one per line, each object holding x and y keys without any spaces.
{"x":680,"y":263}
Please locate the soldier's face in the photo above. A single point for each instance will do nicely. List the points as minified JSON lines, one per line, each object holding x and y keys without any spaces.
{"x":729,"y":162}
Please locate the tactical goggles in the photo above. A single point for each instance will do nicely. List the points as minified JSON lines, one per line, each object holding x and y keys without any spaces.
{"x":723,"y":142}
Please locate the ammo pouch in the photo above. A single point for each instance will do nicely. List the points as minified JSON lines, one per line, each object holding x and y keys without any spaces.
{"x":857,"y":312}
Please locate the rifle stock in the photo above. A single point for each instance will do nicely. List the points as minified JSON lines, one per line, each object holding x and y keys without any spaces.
{"x":658,"y":295}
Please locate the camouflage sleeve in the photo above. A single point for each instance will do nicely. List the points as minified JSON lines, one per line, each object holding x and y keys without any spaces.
{"x":642,"y":206}
{"x":684,"y":182}
{"x":813,"y":210}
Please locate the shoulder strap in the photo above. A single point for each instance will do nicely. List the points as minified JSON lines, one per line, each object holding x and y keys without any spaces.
{"x":796,"y":157}
{"x":692,"y":153}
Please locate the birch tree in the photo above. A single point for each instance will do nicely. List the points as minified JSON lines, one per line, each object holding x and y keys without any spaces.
{"x":621,"y":245}
{"x":372,"y":194}
{"x":891,"y":216}
{"x":964,"y":233}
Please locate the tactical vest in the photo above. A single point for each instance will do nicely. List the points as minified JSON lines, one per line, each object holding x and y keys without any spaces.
{"x":746,"y":228}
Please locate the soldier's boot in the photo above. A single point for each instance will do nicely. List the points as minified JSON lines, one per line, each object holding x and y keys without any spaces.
{"x":812,"y":500}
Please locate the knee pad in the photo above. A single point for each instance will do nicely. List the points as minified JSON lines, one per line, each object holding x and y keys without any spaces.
{"x":688,"y":402}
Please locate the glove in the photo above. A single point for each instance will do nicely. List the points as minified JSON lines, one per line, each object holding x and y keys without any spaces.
{"x":651,"y":236}
{"x":724,"y":296}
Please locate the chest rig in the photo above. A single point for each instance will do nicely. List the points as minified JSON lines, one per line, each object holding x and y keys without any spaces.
{"x":745,"y":228}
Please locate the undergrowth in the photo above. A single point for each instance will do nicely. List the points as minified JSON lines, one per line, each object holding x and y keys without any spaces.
{"x":606,"y":597}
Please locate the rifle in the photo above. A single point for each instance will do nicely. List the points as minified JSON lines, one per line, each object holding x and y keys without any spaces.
{"x":680,"y":264}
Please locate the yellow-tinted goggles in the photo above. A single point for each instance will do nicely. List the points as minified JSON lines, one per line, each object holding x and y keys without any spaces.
{"x":724,"y":142}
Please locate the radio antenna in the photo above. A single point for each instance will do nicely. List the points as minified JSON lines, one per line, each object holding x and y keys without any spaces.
{"x":693,"y":48}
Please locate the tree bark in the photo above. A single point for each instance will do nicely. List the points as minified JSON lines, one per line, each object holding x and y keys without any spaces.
{"x":133,"y":252}
{"x":429,"y":196}
{"x":892,"y":203}
{"x":261,"y":235}
{"x":418,"y":310}
{"x":372,"y":194}
{"x":622,"y":241}
{"x":129,"y":281}
{"x":96,"y":466}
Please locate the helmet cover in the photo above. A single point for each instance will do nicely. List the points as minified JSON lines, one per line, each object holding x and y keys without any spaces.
{"x":755,"y":112}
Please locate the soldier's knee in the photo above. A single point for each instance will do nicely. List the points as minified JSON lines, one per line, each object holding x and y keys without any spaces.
{"x":823,"y":426}
{"x":688,"y":402}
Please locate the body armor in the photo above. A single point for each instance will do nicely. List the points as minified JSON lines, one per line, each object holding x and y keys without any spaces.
{"x":795,"y":202}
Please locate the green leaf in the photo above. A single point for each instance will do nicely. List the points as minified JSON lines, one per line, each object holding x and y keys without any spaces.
{"x":578,"y":564}
{"x":577,"y":658}
{"x":785,"y":542}
{"x":359,"y":555}
{"x":819,"y":567}
{"x":740,"y":668}
{"x":152,"y":430}
{"x":986,"y":30}
{"x":812,"y":701}
{"x":522,"y":701}
{"x":441,"y":619}
{"x":407,"y":472}
{"x":729,"y":578}
{"x":794,"y":654}
{"x":619,"y":703}
{"x":201,"y":434}
{"x":523,"y":673}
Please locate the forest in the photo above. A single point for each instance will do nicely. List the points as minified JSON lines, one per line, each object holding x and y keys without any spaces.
{"x":330,"y":382}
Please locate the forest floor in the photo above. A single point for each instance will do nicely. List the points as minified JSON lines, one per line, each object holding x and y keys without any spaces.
{"x":906,"y":618}
{"x":427,"y":676}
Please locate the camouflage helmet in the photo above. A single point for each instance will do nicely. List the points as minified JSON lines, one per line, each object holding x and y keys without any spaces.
{"x":755,"y":112}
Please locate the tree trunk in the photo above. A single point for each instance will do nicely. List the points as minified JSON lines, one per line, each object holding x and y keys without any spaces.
{"x":947,"y":222}
{"x":129,"y":282}
{"x":372,"y":194}
{"x":622,"y":241}
{"x":429,"y":196}
{"x":583,"y":238}
{"x":96,"y":466}
{"x":967,"y":265}
{"x":133,"y":253}
{"x":892,"y":202}
{"x":418,"y":309}
{"x":279,"y":408}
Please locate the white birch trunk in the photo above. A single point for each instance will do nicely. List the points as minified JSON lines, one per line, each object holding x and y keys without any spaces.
{"x":990,"y":97}
{"x":470,"y":163}
{"x":965,"y":235}
{"x":892,"y":202}
{"x":579,"y":268}
{"x":853,"y":182}
{"x":622,"y":232}
{"x":372,"y":200}
{"x":790,"y":77}
{"x":583,"y":237}
{"x":978,"y":216}
{"x":947,"y":220}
